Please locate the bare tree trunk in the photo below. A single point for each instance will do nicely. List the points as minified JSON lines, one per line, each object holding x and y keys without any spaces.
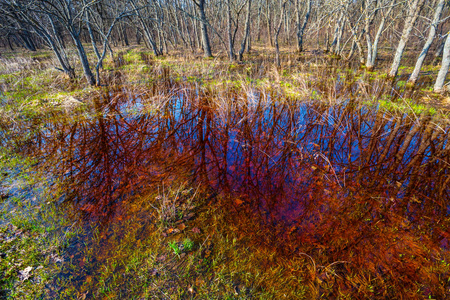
{"x":60,"y":55}
{"x":438,"y":52}
{"x":91,"y":33}
{"x":413,"y":13}
{"x":339,"y":28}
{"x":439,"y":84}
{"x":178,"y":27}
{"x":9,"y":43}
{"x":258,"y":38}
{"x":369,"y":16}
{"x":83,"y":58}
{"x":372,"y":51}
{"x":352,"y":50}
{"x":246,"y":39}
{"x":269,"y":23}
{"x":27,"y":41}
{"x":356,"y":39}
{"x":123,"y":29}
{"x":63,"y":61}
{"x":277,"y":32}
{"x":138,"y":36}
{"x":159,"y":27}
{"x":105,"y":48}
{"x":431,"y":34}
{"x":147,"y":34}
{"x":204,"y":22}
{"x":339,"y":48}
{"x":196,"y":34}
{"x":327,"y":40}
{"x":188,"y":33}
{"x":301,"y":28}
{"x":230,"y":35}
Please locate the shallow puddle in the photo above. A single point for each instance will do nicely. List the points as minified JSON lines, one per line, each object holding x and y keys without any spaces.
{"x":356,"y":183}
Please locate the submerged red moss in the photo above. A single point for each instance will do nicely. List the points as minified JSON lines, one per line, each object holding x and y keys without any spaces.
{"x":357,"y":189}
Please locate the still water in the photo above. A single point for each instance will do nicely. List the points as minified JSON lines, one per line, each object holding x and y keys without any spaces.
{"x":342,"y":178}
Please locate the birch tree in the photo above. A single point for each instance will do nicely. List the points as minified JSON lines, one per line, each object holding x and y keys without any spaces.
{"x":431,"y":34}
{"x":439,"y":84}
{"x":415,"y":7}
{"x":385,"y":9}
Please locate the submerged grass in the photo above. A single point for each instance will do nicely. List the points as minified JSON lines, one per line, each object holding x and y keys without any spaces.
{"x":199,"y":256}
{"x":33,"y":231}
{"x":176,"y":241}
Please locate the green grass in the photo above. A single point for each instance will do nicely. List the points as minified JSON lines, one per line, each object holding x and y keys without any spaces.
{"x":406,"y":106}
{"x":137,"y":73}
{"x":171,"y":242}
{"x":205,"y":259}
{"x":33,"y":230}
{"x":181,"y":253}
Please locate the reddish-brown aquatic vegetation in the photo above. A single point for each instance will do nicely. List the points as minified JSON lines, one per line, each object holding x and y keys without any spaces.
{"x":358,"y":194}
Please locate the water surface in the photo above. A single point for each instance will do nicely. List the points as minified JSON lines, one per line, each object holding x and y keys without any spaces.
{"x":358,"y":183}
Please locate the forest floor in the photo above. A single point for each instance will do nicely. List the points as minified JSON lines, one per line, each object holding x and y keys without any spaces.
{"x":177,"y":240}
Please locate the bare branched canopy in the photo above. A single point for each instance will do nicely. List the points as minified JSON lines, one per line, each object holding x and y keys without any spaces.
{"x":348,"y":29}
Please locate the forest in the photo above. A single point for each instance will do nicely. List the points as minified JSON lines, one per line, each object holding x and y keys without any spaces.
{"x":346,"y":29}
{"x":224,"y":149}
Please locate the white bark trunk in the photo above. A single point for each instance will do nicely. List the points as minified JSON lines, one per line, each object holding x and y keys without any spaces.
{"x":413,"y":13}
{"x":431,"y":34}
{"x":373,"y":56}
{"x":439,"y":85}
{"x":230,"y":35}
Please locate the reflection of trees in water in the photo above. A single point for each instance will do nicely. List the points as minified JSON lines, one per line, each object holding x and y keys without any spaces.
{"x":275,"y":154}
{"x":333,"y":175}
